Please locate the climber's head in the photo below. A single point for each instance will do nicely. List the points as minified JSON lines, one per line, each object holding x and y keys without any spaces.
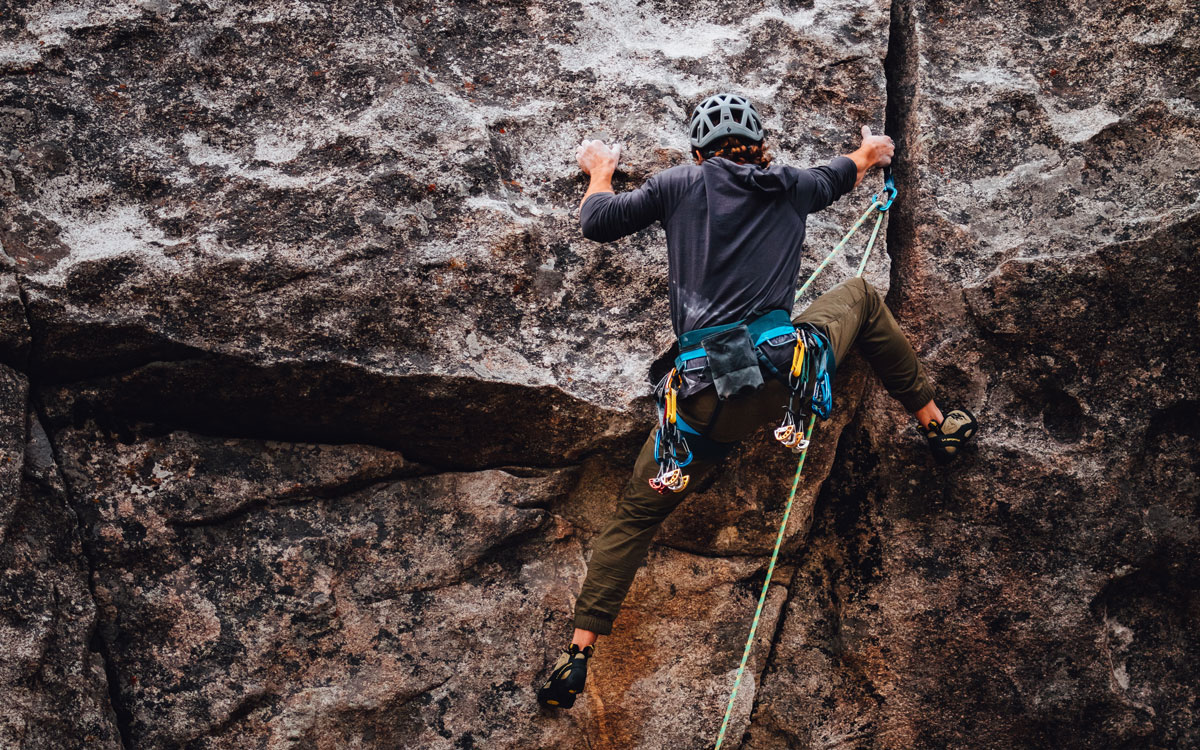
{"x":728,"y":126}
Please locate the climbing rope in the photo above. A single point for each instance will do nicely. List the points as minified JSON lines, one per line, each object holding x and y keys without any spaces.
{"x":881,"y":203}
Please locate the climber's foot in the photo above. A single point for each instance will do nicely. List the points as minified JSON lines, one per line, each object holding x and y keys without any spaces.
{"x":567,"y":678}
{"x":947,"y":439}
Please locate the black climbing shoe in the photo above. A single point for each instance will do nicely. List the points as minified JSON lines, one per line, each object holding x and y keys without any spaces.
{"x":947,"y":438}
{"x":566,"y":679}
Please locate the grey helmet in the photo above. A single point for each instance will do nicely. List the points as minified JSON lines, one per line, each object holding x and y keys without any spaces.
{"x":721,"y":115}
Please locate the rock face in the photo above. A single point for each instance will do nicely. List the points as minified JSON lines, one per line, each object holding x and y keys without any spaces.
{"x":1035,"y":595}
{"x":313,"y":396}
{"x":52,"y":670}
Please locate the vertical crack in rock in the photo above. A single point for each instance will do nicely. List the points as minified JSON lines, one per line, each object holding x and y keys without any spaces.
{"x":776,"y":634}
{"x":21,"y":360}
{"x":97,"y":644}
{"x":899,"y":70}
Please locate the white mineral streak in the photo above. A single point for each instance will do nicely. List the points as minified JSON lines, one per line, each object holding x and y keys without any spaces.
{"x":54,"y":26}
{"x":119,"y":230}
{"x":1078,"y":125}
{"x":1154,"y":31}
{"x":506,"y":208}
{"x":624,"y":41}
{"x":19,"y":54}
{"x":997,"y":77}
{"x":1072,"y":125}
{"x":277,"y":148}
{"x":203,"y":153}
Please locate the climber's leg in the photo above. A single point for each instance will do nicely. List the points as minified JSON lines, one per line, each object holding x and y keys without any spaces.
{"x":621,"y":547}
{"x":853,"y":312}
{"x":616,"y":555}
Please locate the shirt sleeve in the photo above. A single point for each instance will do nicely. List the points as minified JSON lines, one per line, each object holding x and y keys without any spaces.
{"x":606,"y":217}
{"x":818,"y":187}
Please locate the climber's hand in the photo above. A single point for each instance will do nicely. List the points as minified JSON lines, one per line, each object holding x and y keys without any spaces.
{"x":881,"y":147}
{"x":875,"y":151}
{"x":597,"y":159}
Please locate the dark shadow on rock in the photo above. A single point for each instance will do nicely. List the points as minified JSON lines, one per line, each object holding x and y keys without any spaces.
{"x":447,"y":422}
{"x":1062,"y":416}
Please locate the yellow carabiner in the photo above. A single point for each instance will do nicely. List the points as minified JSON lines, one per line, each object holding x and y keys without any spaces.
{"x":798,"y":357}
{"x":671,"y":392}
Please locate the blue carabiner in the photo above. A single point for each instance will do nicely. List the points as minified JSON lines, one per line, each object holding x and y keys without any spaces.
{"x":889,"y":189}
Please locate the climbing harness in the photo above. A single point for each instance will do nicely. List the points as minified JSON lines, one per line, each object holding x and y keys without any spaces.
{"x":726,"y":357}
{"x":788,"y":432}
{"x":731,"y":358}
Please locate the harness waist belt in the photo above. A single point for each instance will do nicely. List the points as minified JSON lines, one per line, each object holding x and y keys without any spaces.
{"x":766,"y":326}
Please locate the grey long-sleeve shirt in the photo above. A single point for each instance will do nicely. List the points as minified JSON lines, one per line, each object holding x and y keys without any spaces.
{"x":734,"y":232}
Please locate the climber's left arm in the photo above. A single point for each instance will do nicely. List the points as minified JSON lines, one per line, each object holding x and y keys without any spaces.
{"x":597,"y":161}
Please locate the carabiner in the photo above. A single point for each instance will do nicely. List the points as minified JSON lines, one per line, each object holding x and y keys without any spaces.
{"x":889,"y":187}
{"x":798,"y":357}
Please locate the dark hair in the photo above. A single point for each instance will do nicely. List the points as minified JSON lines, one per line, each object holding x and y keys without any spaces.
{"x":737,"y":149}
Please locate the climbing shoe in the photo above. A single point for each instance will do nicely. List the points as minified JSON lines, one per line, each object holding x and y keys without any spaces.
{"x":567,"y":677}
{"x":947,"y":438}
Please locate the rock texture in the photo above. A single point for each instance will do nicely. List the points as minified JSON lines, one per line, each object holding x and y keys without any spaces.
{"x":52,"y":670}
{"x":313,"y":396}
{"x":1036,"y":595}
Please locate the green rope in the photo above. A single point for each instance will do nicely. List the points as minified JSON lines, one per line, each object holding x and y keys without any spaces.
{"x":787,"y":511}
{"x":837,"y":248}
{"x":762,"y":598}
{"x":870,"y":244}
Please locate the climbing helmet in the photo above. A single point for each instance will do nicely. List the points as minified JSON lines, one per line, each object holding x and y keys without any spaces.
{"x":721,"y":115}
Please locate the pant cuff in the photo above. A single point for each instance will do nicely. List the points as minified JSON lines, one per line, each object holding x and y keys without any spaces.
{"x":598,"y":624}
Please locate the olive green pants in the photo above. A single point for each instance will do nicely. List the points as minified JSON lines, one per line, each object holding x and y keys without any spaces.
{"x":852,"y":313}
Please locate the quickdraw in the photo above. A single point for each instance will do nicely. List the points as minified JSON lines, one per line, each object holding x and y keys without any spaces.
{"x":671,"y":449}
{"x":787,"y":432}
{"x":790,"y":435}
{"x":798,"y":361}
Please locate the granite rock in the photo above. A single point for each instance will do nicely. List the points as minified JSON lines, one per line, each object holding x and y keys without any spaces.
{"x":1032,"y":595}
{"x":314,"y":397}
{"x":52,"y":673}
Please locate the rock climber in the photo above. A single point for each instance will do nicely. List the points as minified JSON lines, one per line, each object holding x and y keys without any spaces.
{"x":735,"y":227}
